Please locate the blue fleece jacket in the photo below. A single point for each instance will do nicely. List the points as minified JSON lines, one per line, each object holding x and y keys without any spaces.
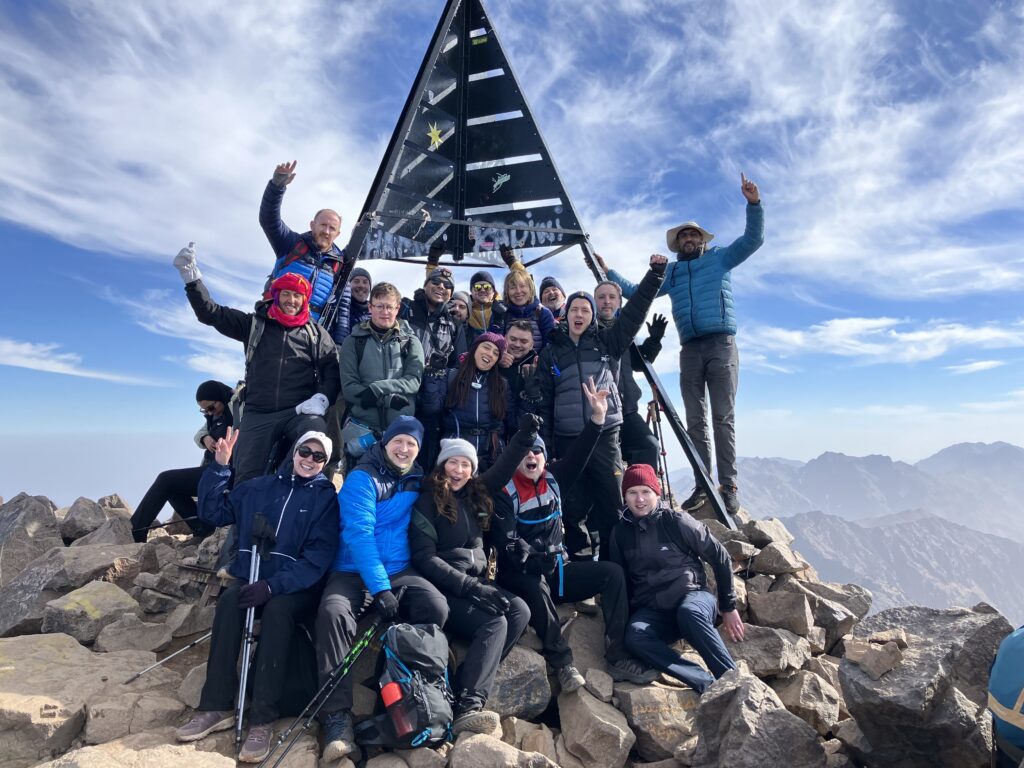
{"x":304,"y":514}
{"x":376,"y":506}
{"x":701,"y":289}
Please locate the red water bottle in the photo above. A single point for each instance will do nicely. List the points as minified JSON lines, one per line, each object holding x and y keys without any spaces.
{"x":397,"y":709}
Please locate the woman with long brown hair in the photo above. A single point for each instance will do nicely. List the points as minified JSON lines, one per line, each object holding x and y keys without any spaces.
{"x":446,"y":542}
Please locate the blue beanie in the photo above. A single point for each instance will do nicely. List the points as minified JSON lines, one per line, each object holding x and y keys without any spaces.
{"x":538,"y":442}
{"x":581,"y":295}
{"x":404,"y":425}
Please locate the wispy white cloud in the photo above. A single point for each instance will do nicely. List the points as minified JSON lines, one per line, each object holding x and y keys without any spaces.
{"x":49,"y":358}
{"x":975,"y":367}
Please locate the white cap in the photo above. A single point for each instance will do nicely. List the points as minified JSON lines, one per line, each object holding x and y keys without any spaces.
{"x":320,"y":437}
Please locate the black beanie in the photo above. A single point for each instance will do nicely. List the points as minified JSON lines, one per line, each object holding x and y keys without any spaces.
{"x":214,"y":391}
{"x":482,"y":277}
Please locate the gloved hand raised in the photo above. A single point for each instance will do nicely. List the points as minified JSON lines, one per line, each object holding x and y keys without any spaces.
{"x":656,"y":328}
{"x":253,"y":595}
{"x":185,"y":263}
{"x":314,"y":406}
{"x":530,"y":423}
{"x":487,"y":598}
{"x":508,"y":256}
{"x":659,"y":264}
{"x":386,"y":604}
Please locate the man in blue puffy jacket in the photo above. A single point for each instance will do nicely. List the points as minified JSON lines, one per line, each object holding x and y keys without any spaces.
{"x":373,"y":563}
{"x":700,"y":286}
{"x":311,"y":254}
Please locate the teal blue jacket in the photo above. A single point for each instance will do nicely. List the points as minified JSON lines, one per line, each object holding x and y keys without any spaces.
{"x":701,"y":289}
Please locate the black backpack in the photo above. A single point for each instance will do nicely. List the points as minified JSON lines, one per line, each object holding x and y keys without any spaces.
{"x":414,"y":688}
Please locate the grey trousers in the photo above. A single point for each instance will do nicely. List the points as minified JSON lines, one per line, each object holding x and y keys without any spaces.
{"x":709,"y":366}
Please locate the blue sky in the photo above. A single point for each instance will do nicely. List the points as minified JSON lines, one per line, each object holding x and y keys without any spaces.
{"x":882,"y":315}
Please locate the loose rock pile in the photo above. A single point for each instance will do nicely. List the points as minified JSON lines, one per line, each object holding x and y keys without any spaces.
{"x":82,"y":608}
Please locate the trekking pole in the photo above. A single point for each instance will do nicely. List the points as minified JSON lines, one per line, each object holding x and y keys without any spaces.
{"x":164,"y":660}
{"x":663,"y":455}
{"x":324,"y":693}
{"x":262,"y":534}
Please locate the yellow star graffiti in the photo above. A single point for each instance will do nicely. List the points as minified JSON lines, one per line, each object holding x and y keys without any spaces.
{"x":434,"y":134}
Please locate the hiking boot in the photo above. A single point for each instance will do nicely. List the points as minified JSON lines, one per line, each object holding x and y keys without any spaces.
{"x":631,"y":671}
{"x":696,"y":499}
{"x":732,"y":504}
{"x":203,"y":724}
{"x":570,"y":679}
{"x":476,"y":721}
{"x":339,"y":735}
{"x":257,"y":743}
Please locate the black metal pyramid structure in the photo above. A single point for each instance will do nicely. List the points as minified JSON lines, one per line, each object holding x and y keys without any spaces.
{"x":467,"y":169}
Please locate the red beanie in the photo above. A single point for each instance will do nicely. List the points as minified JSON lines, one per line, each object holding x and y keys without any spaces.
{"x":640,"y":474}
{"x":290,"y":281}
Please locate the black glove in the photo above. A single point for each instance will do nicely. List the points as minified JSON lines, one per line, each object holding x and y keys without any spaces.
{"x":530,"y":423}
{"x":398,"y":402}
{"x":367,"y":398}
{"x":508,"y":256}
{"x":518,"y":550}
{"x":659,"y":269}
{"x":435,"y":254}
{"x":543,"y":565}
{"x":656,"y":328}
{"x":487,"y":598}
{"x":386,"y":604}
{"x":253,"y":595}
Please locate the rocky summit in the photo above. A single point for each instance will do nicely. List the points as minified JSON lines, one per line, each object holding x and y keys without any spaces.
{"x":820,"y":683}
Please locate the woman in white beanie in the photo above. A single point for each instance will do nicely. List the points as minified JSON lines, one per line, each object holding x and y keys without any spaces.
{"x":446,"y":538}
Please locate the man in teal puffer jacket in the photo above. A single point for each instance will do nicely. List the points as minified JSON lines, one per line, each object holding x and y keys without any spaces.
{"x":700,"y":286}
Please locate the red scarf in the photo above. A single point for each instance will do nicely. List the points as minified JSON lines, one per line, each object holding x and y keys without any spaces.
{"x":290,"y":281}
{"x":289,"y":321}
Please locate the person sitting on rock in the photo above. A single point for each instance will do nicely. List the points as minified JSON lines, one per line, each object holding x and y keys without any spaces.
{"x":663,"y":552}
{"x":446,"y":536}
{"x":178,"y":487}
{"x":300,"y":505}
{"x":291,"y":367}
{"x":373,"y":562}
{"x":526,"y":531}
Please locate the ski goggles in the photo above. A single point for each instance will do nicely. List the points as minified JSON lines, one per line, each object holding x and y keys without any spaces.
{"x":306,"y":452}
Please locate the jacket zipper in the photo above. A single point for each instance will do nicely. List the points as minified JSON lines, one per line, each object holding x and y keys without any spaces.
{"x":689,"y":287}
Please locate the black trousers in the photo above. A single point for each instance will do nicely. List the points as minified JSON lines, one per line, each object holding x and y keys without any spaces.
{"x":278,"y":618}
{"x":579,"y":581}
{"x":345,"y":600}
{"x":260,"y":433}
{"x":177,"y":487}
{"x":639,"y":445}
{"x":596,"y":498}
{"x":490,"y":640}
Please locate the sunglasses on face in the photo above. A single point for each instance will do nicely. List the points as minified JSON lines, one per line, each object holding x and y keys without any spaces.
{"x":209,"y":411}
{"x":537,"y":451}
{"x":441,"y":281}
{"x":483,"y":287}
{"x":306,"y":452}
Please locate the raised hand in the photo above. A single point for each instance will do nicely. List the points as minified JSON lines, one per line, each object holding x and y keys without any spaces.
{"x":506,"y":359}
{"x":284,"y":173}
{"x":598,"y":399}
{"x":658,"y":263}
{"x":185,"y":263}
{"x":225,"y":446}
{"x":530,"y":423}
{"x":656,"y":328}
{"x":749,"y":190}
{"x":601,"y":263}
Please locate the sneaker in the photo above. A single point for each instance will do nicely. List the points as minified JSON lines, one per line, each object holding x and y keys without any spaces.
{"x":570,"y":679}
{"x":696,"y":499}
{"x":476,"y":721}
{"x":339,"y":735}
{"x":257,"y":743}
{"x":732,"y":504}
{"x":631,"y":671}
{"x":203,"y":724}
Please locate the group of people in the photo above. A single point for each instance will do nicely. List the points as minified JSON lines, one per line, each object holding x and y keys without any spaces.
{"x":476,"y":430}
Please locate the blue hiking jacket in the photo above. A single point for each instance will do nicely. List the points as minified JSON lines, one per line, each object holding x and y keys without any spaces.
{"x":304,"y":513}
{"x":297,"y":253}
{"x":701,"y":289}
{"x":1006,"y":688}
{"x":376,"y":506}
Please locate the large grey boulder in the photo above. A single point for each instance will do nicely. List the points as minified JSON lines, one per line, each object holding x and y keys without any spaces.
{"x":60,"y":570}
{"x":741,"y":723}
{"x":595,"y":732}
{"x":811,"y":698}
{"x":781,"y":610}
{"x":130,"y":633}
{"x":83,"y":612}
{"x":84,"y":517}
{"x":47,"y":683}
{"x":482,"y":751}
{"x":761,"y":533}
{"x":929,"y":710}
{"x":116,"y":530}
{"x":661,"y":718}
{"x":853,"y":597}
{"x":769,"y":651}
{"x":28,"y":529}
{"x":777,"y":558}
{"x":836,"y":619}
{"x":116,"y":716}
{"x":521,"y":687}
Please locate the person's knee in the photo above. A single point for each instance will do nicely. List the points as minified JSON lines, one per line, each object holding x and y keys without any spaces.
{"x":336,"y":610}
{"x":639,"y":635}
{"x":692,"y":612}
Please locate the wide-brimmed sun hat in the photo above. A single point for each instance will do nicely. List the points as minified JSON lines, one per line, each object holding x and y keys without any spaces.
{"x":672,"y":234}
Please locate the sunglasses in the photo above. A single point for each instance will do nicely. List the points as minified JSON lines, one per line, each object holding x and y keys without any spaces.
{"x":537,"y":451}
{"x":441,"y":281}
{"x":208,"y":411}
{"x":305,"y":452}
{"x":483,"y":287}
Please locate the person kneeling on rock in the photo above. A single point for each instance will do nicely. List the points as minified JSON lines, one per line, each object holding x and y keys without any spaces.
{"x":300,"y":504}
{"x":533,"y":562}
{"x":661,"y":551}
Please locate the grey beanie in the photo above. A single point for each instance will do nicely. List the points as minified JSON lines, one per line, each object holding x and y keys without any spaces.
{"x":360,"y":272}
{"x":464,"y":296}
{"x":454,"y":447}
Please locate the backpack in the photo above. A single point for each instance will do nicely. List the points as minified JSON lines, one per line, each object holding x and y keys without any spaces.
{"x":1005,"y":695}
{"x":414,"y":688}
{"x":237,"y":404}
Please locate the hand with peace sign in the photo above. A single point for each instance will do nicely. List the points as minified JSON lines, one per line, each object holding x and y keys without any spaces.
{"x":284,"y":173}
{"x":598,"y":399}
{"x":225,"y":446}
{"x":749,"y":190}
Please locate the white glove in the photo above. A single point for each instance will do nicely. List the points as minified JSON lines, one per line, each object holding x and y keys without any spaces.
{"x":185,"y":262}
{"x":315,"y":406}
